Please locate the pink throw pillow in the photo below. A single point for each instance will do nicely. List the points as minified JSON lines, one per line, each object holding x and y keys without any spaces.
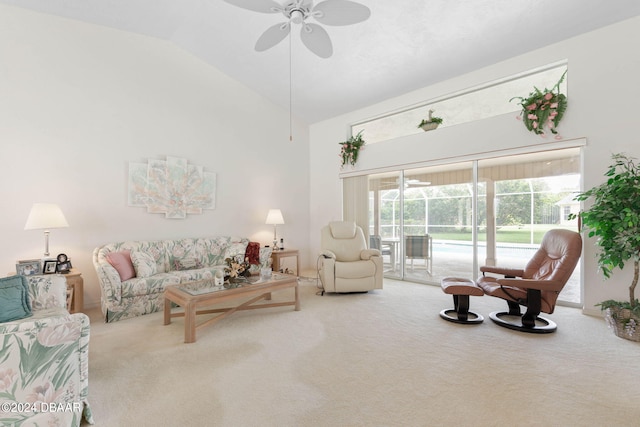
{"x":121,"y":261}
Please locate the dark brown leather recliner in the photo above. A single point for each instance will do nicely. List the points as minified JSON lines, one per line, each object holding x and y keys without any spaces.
{"x":537,"y":286}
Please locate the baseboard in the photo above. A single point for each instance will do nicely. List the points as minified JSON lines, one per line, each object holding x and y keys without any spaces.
{"x":595,"y":312}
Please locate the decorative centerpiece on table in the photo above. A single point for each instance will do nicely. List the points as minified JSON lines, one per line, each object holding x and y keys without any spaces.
{"x":265,"y":269}
{"x":614,"y":220}
{"x":236,"y":269}
{"x":543,"y":108}
{"x":430,"y":123}
{"x":350,"y":149}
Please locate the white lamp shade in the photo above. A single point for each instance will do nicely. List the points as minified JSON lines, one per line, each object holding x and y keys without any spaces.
{"x":274,"y":217}
{"x":44,"y":216}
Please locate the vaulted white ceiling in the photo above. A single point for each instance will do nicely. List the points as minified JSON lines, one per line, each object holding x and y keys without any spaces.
{"x":404,"y":45}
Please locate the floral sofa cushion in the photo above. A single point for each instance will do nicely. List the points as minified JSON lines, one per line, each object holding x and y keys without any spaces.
{"x":143,"y":264}
{"x":175,"y":261}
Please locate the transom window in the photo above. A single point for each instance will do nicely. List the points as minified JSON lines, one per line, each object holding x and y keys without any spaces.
{"x":477,"y":103}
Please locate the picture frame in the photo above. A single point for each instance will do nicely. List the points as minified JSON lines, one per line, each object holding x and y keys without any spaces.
{"x":28,"y":267}
{"x":50,"y":266}
{"x":63,"y":267}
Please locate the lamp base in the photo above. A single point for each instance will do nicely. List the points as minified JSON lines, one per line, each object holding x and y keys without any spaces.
{"x":46,"y":243}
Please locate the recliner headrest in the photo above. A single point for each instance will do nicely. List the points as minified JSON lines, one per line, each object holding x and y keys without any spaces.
{"x":342,"y":229}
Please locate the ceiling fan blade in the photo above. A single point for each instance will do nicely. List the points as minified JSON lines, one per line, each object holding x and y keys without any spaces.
{"x":263,"y":6}
{"x":317,"y":40}
{"x":340,"y":12}
{"x":273,"y":36}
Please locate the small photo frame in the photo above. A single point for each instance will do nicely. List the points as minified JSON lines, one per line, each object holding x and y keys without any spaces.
{"x":28,"y":267}
{"x":50,"y":266}
{"x":63,"y":267}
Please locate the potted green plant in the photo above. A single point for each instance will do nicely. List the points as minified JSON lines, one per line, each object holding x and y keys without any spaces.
{"x":543,"y":108}
{"x":430,"y":122}
{"x":614,"y":220}
{"x":351,"y":148}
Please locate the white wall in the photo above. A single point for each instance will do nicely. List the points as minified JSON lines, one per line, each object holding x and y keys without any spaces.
{"x":78,"y":102}
{"x":602,"y":95}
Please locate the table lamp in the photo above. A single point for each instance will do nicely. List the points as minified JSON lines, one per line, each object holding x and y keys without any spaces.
{"x":44,"y":216}
{"x":274,"y":217}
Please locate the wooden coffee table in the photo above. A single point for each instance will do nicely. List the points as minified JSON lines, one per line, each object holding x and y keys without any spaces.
{"x":192,"y":296}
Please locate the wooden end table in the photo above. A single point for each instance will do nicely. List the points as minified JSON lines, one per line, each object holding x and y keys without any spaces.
{"x":76,"y":283}
{"x":280,"y":264}
{"x":193,"y":296}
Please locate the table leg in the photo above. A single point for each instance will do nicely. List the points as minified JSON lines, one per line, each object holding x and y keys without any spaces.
{"x":297,"y":298}
{"x":190,"y":323}
{"x":167,"y":311}
{"x":78,"y":295}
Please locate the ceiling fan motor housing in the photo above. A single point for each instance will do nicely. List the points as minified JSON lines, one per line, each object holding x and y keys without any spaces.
{"x":298,"y":12}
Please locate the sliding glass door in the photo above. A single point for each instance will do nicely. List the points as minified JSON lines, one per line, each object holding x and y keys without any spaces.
{"x":447,"y":220}
{"x":423,"y":221}
{"x":385,"y":219}
{"x":530,"y":194}
{"x":438,"y":222}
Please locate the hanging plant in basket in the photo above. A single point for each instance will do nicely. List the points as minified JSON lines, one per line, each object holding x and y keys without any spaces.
{"x":430,"y":123}
{"x":351,"y":148}
{"x":543,"y":108}
{"x":614,"y":220}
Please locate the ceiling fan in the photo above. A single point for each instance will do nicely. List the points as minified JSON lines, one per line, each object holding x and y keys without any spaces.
{"x":408,"y":183}
{"x":314,"y":37}
{"x":415,"y":183}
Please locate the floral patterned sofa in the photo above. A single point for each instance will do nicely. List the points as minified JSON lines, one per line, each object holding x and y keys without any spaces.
{"x":134,"y":274}
{"x":44,"y":360}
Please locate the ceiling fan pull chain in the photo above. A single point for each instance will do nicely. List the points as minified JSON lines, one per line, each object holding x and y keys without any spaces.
{"x":290,"y":93}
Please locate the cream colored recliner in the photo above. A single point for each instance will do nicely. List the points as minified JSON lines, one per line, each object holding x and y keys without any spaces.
{"x":346,"y":265}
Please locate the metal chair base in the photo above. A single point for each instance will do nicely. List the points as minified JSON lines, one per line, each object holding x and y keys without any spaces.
{"x":514,"y":321}
{"x":468,"y":318}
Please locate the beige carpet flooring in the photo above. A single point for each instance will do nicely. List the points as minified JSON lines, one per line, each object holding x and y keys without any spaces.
{"x":379,"y":359}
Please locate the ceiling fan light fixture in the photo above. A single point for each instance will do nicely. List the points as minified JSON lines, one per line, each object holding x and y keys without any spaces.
{"x":297,"y":16}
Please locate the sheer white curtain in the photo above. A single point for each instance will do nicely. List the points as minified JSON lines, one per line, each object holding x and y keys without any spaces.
{"x":355,"y":201}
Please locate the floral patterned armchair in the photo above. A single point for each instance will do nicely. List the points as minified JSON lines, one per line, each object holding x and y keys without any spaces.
{"x":44,"y":361}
